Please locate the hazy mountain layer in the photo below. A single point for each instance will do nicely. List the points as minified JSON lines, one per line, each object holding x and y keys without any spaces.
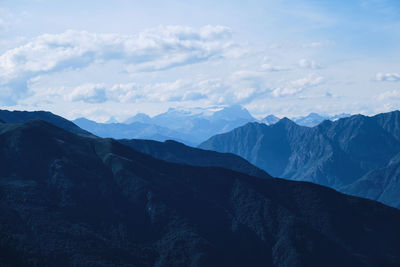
{"x":133,"y":130}
{"x":189,"y":127}
{"x":311,"y":120}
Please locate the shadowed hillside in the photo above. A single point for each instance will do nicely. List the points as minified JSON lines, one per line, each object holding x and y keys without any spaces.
{"x":70,"y":200}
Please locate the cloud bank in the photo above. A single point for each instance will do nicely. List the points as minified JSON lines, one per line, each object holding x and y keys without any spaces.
{"x":151,"y":50}
{"x":388,"y":77}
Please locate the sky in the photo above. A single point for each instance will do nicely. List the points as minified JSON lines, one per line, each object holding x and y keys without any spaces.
{"x":98,"y":59}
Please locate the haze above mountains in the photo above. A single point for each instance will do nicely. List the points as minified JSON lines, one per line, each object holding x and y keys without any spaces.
{"x":187,"y":126}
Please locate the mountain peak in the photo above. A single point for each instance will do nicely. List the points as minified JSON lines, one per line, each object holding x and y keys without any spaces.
{"x":286,"y":121}
{"x":112,"y":119}
{"x":139,"y":117}
{"x":310,"y":120}
{"x":233,"y":112}
{"x":270,"y":119}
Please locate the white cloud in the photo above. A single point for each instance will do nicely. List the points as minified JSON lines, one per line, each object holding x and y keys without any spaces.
{"x":272,"y":68}
{"x":6,"y":20}
{"x":89,"y":93}
{"x":394,"y":94}
{"x":307,"y":82}
{"x":132,"y":93}
{"x":309,"y":64}
{"x":318,"y":44}
{"x":150,"y":50}
{"x":239,"y":87}
{"x":296,"y":86}
{"x":279,"y":92}
{"x":388,"y":77}
{"x":124,"y":93}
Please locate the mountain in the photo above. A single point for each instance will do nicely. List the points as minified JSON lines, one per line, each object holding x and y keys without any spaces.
{"x":70,"y":200}
{"x":112,"y":120}
{"x":334,"y":154}
{"x":311,"y":120}
{"x":270,"y":119}
{"x":198,"y":124}
{"x":133,"y":130}
{"x":24,"y":116}
{"x":189,"y":126}
{"x":140,"y":117}
{"x":176,"y":152}
{"x":339,"y":116}
{"x":232,"y":113}
{"x":382,"y":184}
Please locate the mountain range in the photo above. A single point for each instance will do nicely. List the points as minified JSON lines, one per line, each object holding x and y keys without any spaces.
{"x":133,"y":130}
{"x":69,"y":200}
{"x":313,"y":119}
{"x":188,"y":126}
{"x":357,"y":155}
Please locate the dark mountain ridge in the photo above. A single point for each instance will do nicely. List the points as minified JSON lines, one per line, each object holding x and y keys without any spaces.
{"x":335,"y":154}
{"x":24,"y":116}
{"x":170,"y":151}
{"x":176,"y":152}
{"x":71,"y":200}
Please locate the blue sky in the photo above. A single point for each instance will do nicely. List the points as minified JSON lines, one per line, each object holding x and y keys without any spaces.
{"x":117,"y":58}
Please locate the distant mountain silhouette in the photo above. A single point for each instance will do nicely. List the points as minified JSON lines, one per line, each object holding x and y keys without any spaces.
{"x":176,"y":152}
{"x":132,"y":130}
{"x":339,"y":116}
{"x":199,"y":124}
{"x":270,"y":119}
{"x":69,"y":200}
{"x":190,"y":127}
{"x":140,"y":117}
{"x":24,"y":116}
{"x":335,"y":154}
{"x":313,"y":119}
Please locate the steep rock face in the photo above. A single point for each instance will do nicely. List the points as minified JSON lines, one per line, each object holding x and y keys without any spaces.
{"x":334,"y":154}
{"x":69,"y":200}
{"x":176,"y":152}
